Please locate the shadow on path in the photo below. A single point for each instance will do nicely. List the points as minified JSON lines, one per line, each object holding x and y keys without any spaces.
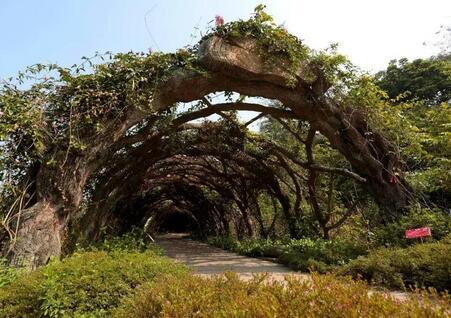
{"x":206,"y":260}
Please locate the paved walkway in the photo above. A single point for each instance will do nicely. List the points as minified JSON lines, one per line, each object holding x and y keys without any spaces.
{"x":206,"y":260}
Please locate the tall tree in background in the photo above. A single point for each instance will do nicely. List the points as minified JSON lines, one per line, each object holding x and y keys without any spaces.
{"x":420,"y":91}
{"x":428,"y":80}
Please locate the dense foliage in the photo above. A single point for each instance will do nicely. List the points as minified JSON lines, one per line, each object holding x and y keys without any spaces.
{"x":419,"y":91}
{"x":324,"y":296}
{"x":8,"y":273}
{"x":420,"y":265}
{"x":89,"y":283}
{"x":426,"y":80}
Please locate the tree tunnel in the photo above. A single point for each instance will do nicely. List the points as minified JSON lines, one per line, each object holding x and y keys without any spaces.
{"x":177,"y":222}
{"x":131,"y":156}
{"x":204,"y":171}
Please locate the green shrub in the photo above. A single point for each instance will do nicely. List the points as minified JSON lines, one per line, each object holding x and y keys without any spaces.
{"x":135,"y":240}
{"x":8,"y":273}
{"x":393,"y":234}
{"x":225,"y":242}
{"x":249,"y":247}
{"x":427,"y":264}
{"x":319,"y":255}
{"x":227,"y":296}
{"x":254,"y":247}
{"x":301,"y":254}
{"x":86,"y":284}
{"x":22,"y":297}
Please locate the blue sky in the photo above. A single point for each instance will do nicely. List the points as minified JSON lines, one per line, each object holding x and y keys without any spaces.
{"x":62,"y":31}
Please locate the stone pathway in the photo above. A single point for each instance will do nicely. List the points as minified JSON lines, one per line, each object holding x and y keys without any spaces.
{"x":206,"y":260}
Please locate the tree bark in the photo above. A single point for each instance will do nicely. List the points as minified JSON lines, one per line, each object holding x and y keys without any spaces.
{"x":40,"y":236}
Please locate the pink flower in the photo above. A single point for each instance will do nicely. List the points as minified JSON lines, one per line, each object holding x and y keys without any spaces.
{"x":219,"y":20}
{"x":1,"y":114}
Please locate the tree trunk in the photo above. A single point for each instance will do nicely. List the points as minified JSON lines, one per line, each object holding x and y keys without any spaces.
{"x":40,"y":235}
{"x":41,"y":228}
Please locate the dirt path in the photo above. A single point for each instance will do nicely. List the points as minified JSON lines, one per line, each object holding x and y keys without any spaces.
{"x":206,"y":260}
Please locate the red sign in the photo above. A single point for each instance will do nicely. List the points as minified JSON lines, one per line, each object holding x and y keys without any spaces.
{"x":420,"y":232}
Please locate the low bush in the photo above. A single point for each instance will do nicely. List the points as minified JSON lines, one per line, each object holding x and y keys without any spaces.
{"x":227,"y":296}
{"x":225,"y":242}
{"x":249,"y":247}
{"x":393,"y":234}
{"x":427,"y":264}
{"x":86,"y":284}
{"x":300,"y":254}
{"x":22,"y":297}
{"x":135,"y":240}
{"x":319,"y":255}
{"x":260,"y":248}
{"x":8,"y":273}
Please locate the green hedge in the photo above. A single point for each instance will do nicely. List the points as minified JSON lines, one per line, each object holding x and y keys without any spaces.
{"x":393,"y":234}
{"x":320,"y":255}
{"x":86,"y":284}
{"x":118,"y":279}
{"x":300,"y":254}
{"x":324,"y":296}
{"x":427,"y":264}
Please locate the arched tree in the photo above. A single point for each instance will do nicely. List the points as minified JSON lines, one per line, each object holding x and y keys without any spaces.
{"x":65,"y":131}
